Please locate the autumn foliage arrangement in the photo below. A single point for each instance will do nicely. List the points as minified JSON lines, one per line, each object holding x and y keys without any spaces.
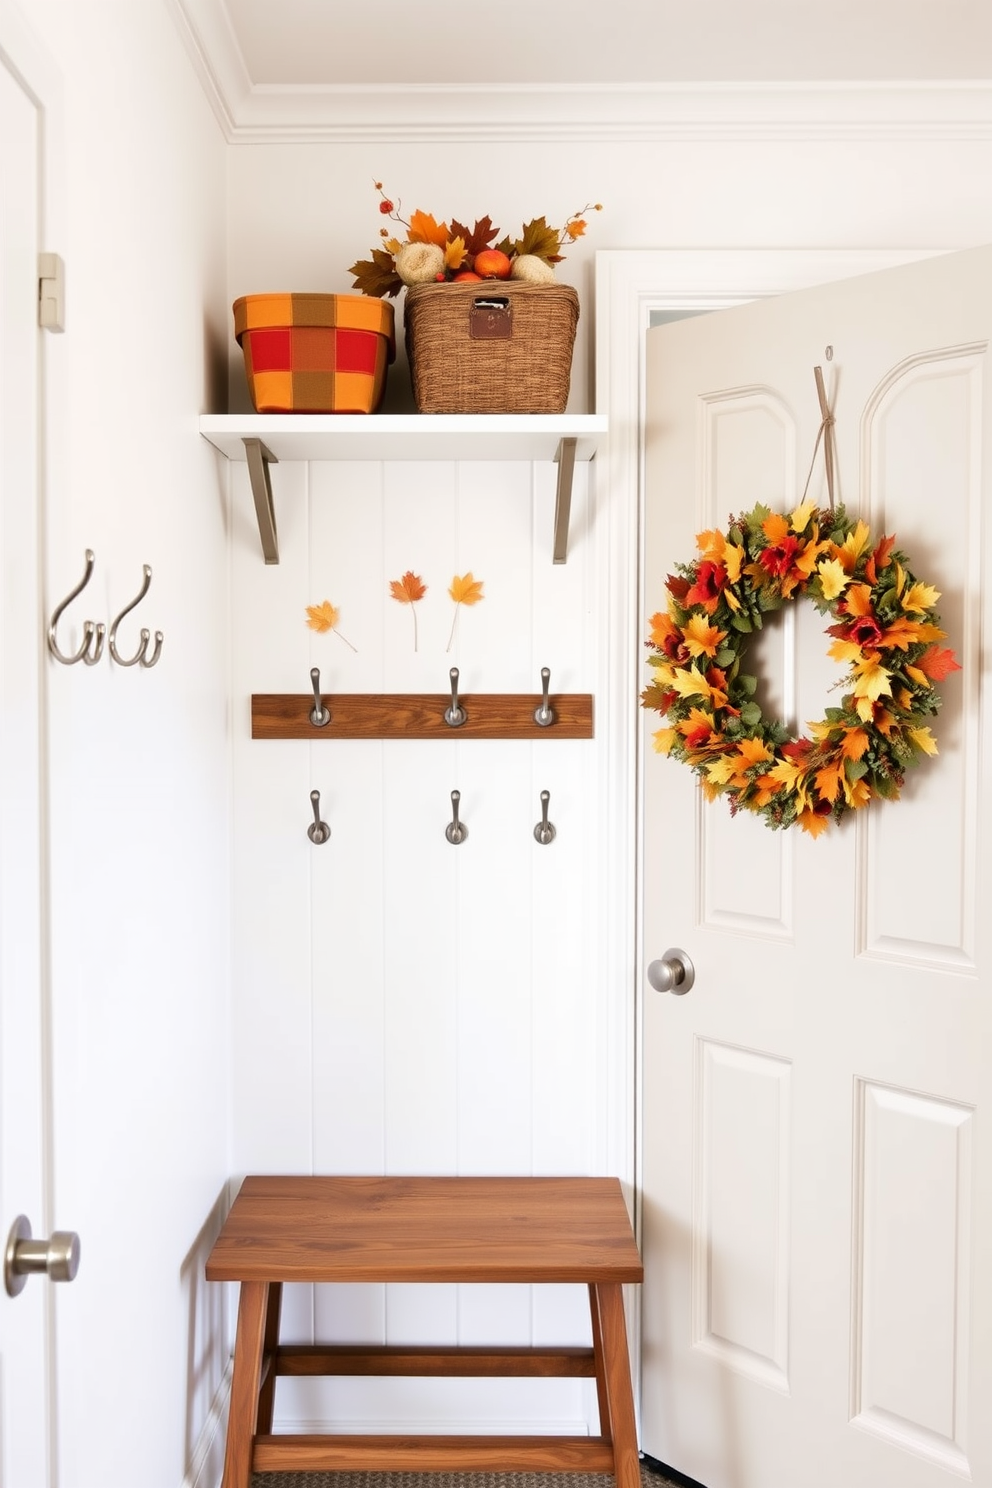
{"x":426,"y":251}
{"x":885,"y":631}
{"x":409,"y":589}
{"x":464,"y":589}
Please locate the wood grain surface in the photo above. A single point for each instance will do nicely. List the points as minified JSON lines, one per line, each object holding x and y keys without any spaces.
{"x":426,"y":1229}
{"x":401,"y":715}
{"x":584,"y":1454}
{"x":423,"y":1361}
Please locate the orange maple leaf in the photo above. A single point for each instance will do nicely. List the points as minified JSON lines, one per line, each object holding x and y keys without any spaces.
{"x":408,"y":590}
{"x":324,"y":617}
{"x":753,"y":751}
{"x":828,"y":781}
{"x":662,"y":628}
{"x":854,"y":743}
{"x":464,"y":591}
{"x":426,"y":229}
{"x":775,"y":527}
{"x":938,"y":663}
{"x":857,"y":600}
{"x":812,"y":822}
{"x":701,"y":638}
{"x":455,"y":252}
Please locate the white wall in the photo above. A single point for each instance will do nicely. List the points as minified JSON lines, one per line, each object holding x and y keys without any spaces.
{"x":300,"y":215}
{"x":397,"y":1004}
{"x":406,"y":1006}
{"x":140,"y":908}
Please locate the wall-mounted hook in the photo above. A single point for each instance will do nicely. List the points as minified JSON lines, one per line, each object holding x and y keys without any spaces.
{"x":454,"y":716}
{"x":544,"y":832}
{"x":455,"y":831}
{"x":93,"y":633}
{"x":320,"y":716}
{"x":544,"y":715}
{"x":318,"y":831}
{"x":141,"y":655}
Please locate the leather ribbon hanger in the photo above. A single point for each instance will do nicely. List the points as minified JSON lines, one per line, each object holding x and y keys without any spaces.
{"x":826,"y":434}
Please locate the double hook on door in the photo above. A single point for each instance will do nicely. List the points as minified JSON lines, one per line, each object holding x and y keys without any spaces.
{"x":95,"y":632}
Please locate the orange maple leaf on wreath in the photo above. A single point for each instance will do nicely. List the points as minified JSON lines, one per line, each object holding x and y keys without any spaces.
{"x":324,"y":617}
{"x":938,"y":662}
{"x":408,"y":590}
{"x":464,"y":591}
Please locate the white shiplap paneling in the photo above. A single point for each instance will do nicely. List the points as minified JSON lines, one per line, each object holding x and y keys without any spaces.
{"x":404,"y":1005}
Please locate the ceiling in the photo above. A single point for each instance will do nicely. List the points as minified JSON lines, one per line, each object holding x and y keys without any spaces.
{"x":610,"y":41}
{"x":299,"y":64}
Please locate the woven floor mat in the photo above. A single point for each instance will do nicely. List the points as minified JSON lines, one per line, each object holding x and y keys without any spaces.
{"x":649,"y":1479}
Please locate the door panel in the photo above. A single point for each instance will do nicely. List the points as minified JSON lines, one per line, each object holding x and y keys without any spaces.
{"x":816,"y":1165}
{"x":23,"y":1321}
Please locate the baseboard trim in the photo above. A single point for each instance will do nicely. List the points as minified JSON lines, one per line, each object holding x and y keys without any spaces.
{"x":671,"y":1473}
{"x":206,"y":1461}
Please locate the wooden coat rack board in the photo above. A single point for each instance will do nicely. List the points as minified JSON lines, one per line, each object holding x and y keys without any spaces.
{"x":420,"y":715}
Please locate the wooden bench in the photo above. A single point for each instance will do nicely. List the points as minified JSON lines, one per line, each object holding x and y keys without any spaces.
{"x":426,"y":1230}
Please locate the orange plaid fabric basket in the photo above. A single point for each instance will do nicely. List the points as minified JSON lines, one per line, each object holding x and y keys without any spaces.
{"x":315,"y":353}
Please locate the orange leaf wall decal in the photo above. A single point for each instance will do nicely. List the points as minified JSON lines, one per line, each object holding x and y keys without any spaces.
{"x":408,"y":590}
{"x":464,"y":591}
{"x":324,"y":617}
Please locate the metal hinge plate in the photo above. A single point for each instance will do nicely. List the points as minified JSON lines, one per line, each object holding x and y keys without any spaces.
{"x":51,"y":292}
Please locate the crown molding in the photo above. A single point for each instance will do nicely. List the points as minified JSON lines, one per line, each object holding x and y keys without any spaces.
{"x":258,"y":113}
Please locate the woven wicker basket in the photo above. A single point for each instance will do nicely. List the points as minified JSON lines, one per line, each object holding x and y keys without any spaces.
{"x":501,"y":347}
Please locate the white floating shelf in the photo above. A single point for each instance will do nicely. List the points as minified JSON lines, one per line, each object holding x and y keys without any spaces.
{"x":264,"y":439}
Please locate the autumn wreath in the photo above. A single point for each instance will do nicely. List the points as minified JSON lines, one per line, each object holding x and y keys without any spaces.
{"x":886,"y":632}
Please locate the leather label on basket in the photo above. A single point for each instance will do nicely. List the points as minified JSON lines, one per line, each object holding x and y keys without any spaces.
{"x":490,"y":318}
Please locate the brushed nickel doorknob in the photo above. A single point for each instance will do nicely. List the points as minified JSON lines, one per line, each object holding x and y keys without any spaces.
{"x":674,"y":973}
{"x":57,"y":1258}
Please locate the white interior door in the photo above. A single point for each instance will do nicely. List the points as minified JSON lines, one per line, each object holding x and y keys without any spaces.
{"x":24,"y":1436}
{"x":817,"y":1155}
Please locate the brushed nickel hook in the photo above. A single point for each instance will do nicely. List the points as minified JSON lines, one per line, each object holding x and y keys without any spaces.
{"x":141,"y":656}
{"x":455,"y":831}
{"x":320,"y":716}
{"x":455,"y":715}
{"x":544,"y":715}
{"x":318,"y":831}
{"x":544,"y":832}
{"x":93,"y":632}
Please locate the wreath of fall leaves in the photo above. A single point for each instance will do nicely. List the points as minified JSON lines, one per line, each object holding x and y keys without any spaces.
{"x":885,"y":631}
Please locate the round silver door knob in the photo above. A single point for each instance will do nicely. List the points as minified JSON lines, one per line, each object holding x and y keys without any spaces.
{"x":57,"y":1258}
{"x":674,"y":973}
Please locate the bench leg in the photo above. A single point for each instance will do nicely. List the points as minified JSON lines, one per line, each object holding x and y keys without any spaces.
{"x":613,"y":1360}
{"x":602,"y":1394}
{"x":267,"y":1394}
{"x":245,"y":1377}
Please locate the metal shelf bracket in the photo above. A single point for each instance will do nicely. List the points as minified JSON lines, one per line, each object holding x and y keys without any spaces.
{"x":565,"y":460}
{"x":399,"y":438}
{"x":260,"y":457}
